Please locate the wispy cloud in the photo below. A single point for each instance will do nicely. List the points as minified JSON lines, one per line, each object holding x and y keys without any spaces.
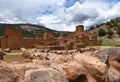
{"x":59,"y":14}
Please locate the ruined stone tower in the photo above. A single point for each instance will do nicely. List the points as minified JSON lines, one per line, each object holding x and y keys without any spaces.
{"x":79,"y":28}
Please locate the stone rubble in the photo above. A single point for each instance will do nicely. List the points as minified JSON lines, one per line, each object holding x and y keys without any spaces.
{"x":60,"y":66}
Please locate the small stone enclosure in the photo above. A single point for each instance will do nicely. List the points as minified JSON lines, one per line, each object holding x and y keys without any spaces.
{"x":13,"y":39}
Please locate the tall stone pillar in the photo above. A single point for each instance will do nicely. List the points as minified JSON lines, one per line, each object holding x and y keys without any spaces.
{"x":79,"y":28}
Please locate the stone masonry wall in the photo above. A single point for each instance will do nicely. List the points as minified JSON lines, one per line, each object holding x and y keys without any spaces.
{"x":14,"y":40}
{"x":79,"y":28}
{"x":0,"y":41}
{"x":48,"y":35}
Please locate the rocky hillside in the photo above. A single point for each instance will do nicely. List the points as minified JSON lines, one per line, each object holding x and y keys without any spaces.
{"x":28,"y":30}
{"x":111,"y":27}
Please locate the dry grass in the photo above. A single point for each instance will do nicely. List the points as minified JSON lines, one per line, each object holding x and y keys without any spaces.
{"x":13,"y":56}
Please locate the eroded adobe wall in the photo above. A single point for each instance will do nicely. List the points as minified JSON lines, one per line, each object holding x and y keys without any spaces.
{"x":39,"y":37}
{"x":13,"y":31}
{"x":94,"y":37}
{"x":46,"y":41}
{"x":62,"y":36}
{"x":1,"y":38}
{"x":95,"y":42}
{"x":29,"y":43}
{"x":14,"y":40}
{"x":62,"y":42}
{"x":99,"y":42}
{"x":48,"y":35}
{"x":79,"y":45}
{"x":85,"y":40}
{"x":4,"y":43}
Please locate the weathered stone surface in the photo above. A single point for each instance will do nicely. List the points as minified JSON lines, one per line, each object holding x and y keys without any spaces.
{"x":56,"y":66}
{"x":96,"y":67}
{"x":44,"y":75}
{"x":72,"y":67}
{"x":103,"y":53}
{"x":7,"y":75}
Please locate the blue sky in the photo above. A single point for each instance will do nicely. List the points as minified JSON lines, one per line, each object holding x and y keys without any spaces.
{"x":61,"y":15}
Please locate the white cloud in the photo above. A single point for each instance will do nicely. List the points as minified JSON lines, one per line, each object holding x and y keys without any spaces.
{"x":48,"y":19}
{"x":26,"y":10}
{"x":92,"y":13}
{"x":53,"y":14}
{"x":7,"y":16}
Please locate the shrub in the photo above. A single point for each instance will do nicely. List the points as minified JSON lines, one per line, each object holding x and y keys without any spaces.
{"x":109,"y":32}
{"x":118,"y":30}
{"x":91,"y":28}
{"x":101,"y":32}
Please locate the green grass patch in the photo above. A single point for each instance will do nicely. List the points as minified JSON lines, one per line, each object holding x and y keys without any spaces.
{"x":109,"y":42}
{"x":93,"y":46}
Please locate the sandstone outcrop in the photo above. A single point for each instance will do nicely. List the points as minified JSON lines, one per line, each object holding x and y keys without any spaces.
{"x":44,"y":75}
{"x":7,"y":74}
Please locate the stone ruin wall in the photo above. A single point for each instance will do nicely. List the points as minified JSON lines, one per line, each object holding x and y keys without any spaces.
{"x":14,"y":40}
{"x":39,"y":36}
{"x":88,"y":38}
{"x":79,"y":28}
{"x":77,"y":39}
{"x":48,"y":35}
{"x":11,"y":38}
{"x":1,"y":38}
